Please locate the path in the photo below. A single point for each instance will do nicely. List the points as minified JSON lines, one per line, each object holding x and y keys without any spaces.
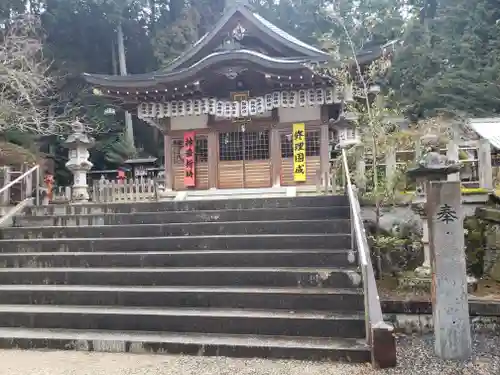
{"x":414,"y":355}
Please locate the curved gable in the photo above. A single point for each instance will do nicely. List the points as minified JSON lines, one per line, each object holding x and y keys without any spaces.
{"x":267,"y":33}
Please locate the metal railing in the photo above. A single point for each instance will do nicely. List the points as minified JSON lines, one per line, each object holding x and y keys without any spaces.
{"x":379,"y":335}
{"x":26,"y":180}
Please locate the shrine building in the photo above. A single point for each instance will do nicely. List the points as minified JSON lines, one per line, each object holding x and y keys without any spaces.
{"x":244,"y":107}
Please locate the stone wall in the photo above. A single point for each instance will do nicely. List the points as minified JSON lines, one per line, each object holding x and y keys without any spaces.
{"x":492,"y":254}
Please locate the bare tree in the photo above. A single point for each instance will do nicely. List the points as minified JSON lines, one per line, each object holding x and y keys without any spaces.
{"x":28,"y":95}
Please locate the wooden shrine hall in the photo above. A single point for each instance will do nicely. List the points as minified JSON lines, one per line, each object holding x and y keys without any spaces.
{"x":244,"y":107}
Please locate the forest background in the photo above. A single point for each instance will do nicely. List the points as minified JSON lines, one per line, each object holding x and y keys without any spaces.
{"x":447,"y":59}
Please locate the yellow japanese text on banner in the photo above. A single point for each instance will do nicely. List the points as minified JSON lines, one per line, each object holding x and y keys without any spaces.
{"x":299,"y":152}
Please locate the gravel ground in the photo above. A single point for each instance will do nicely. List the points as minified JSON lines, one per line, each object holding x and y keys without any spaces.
{"x":414,"y":355}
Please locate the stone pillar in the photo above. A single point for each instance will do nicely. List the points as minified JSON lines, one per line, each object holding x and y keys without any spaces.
{"x":450,"y":306}
{"x":390,"y":167}
{"x":484,"y":164}
{"x":418,"y":150}
{"x":425,"y":269}
{"x":452,"y":154}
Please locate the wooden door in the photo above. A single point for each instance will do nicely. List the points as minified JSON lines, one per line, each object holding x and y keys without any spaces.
{"x":244,"y":160}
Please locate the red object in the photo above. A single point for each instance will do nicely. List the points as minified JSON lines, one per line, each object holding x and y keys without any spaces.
{"x":189,"y":159}
{"x":49,"y":182}
{"x":121,"y":175}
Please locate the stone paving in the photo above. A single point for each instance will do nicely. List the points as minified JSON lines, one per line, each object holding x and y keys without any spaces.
{"x":414,"y":355}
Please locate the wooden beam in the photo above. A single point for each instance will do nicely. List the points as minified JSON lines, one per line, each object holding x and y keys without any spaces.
{"x":169,"y":170}
{"x":213,"y":156}
{"x":324,"y":152}
{"x":275,"y":156}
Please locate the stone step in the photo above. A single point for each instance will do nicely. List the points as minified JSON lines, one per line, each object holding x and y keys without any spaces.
{"x":293,"y":298}
{"x":269,"y":277}
{"x":200,"y":320}
{"x":205,"y":258}
{"x":224,"y":204}
{"x":340,"y":226}
{"x":229,"y":242}
{"x":243,"y":346}
{"x":294,"y":213}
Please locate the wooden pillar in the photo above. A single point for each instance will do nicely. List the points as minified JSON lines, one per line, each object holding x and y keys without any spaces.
{"x":213,"y":156}
{"x":324,"y":151}
{"x":169,"y":170}
{"x":275,"y":157}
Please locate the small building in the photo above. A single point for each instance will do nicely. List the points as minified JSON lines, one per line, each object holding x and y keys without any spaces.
{"x":107,"y":174}
{"x":227,"y":106}
{"x":142,"y":167}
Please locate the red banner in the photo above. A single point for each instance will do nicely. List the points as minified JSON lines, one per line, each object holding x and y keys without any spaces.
{"x":189,"y":159}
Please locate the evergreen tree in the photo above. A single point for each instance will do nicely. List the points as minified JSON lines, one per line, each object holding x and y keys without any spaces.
{"x":449,"y":61}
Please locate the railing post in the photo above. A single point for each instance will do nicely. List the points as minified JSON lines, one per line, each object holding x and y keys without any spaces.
{"x":6,"y":181}
{"x":366,"y":292}
{"x":29,"y":185}
{"x":37,"y":186}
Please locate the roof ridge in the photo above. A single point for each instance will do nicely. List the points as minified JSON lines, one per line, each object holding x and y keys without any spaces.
{"x":260,"y":22}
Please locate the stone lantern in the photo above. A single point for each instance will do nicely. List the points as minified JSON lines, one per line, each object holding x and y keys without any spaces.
{"x":344,"y":136}
{"x":346,"y":131}
{"x":432,"y":167}
{"x":78,"y":144}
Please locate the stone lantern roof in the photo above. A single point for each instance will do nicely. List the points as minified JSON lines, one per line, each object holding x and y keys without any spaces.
{"x":78,"y":136}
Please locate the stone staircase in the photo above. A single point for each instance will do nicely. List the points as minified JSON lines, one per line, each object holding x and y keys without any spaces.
{"x":270,"y":277}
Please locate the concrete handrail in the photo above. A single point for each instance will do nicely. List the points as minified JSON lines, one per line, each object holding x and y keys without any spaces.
{"x":379,"y":335}
{"x":7,"y":219}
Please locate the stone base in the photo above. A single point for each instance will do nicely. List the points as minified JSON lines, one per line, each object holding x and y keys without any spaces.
{"x":419,"y":282}
{"x":413,"y":281}
{"x":423,"y":272}
{"x":80,"y":194}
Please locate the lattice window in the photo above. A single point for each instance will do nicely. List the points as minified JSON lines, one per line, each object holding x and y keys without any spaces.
{"x":176,"y":151}
{"x":201,"y":151}
{"x":244,"y":145}
{"x":313,"y":139}
{"x":257,"y":145}
{"x":230,"y":146}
